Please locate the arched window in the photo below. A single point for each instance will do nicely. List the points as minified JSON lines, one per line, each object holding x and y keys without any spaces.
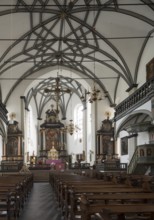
{"x":78,"y":120}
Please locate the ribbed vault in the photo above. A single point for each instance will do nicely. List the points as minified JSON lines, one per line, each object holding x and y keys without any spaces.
{"x":88,"y":37}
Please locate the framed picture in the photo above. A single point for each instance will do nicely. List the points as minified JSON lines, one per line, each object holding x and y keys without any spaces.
{"x":124,"y":146}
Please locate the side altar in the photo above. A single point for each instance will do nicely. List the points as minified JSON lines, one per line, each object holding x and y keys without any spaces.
{"x":13,"y":151}
{"x":52,"y":138}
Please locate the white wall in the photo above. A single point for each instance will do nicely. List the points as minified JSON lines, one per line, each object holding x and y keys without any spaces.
{"x":143,"y":138}
{"x":73,"y":144}
{"x":121,"y":92}
{"x":31,"y":131}
{"x":132,"y":143}
{"x":145,"y":106}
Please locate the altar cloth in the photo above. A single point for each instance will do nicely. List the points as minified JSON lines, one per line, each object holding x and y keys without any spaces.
{"x":57,"y":164}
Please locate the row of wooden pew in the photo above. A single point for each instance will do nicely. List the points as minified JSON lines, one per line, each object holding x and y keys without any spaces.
{"x":114,"y":195}
{"x":14,"y":190}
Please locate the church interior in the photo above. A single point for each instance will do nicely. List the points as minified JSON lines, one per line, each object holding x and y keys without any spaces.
{"x":77,"y":107}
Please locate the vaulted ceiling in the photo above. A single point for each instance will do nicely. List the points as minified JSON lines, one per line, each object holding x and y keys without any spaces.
{"x":100,"y":40}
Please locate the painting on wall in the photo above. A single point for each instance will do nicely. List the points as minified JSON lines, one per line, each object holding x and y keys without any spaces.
{"x":124,"y":146}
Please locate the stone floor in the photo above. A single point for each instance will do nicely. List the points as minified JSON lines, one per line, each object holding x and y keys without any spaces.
{"x":41,"y":204}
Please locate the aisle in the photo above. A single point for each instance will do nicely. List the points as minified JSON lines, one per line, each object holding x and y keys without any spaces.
{"x":41,"y":204}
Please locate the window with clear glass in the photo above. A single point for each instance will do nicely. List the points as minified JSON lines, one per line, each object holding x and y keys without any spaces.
{"x":78,"y":119}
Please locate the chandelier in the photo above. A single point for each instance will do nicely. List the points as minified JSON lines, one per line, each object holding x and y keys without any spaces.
{"x":70,"y":128}
{"x":57,"y":90}
{"x":93,"y":96}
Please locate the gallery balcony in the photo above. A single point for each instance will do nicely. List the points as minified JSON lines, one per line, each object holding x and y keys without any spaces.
{"x":138,"y":98}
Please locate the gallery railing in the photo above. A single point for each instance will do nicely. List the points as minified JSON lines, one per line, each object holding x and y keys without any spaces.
{"x":138,"y":98}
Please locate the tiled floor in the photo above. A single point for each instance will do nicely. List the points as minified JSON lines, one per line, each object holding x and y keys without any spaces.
{"x":41,"y":204}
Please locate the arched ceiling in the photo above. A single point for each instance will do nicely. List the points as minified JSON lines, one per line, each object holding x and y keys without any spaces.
{"x":102,"y":40}
{"x":136,"y":122}
{"x":57,"y":93}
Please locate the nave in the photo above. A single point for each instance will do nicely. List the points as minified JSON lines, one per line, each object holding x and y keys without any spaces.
{"x":41,"y":204}
{"x":85,"y":195}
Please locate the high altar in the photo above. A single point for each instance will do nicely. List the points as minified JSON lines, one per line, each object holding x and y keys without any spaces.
{"x":52,"y":137}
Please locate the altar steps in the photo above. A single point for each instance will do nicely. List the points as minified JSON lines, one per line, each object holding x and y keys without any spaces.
{"x":40,"y":175}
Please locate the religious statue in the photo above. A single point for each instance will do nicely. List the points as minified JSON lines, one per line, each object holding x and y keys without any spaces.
{"x":53,"y":154}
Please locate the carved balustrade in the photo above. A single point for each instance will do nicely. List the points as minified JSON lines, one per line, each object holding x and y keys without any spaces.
{"x":138,"y":98}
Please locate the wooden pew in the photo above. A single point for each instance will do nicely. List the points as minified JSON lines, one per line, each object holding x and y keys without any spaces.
{"x":18,"y":186}
{"x":15,"y":198}
{"x":64,"y":199}
{"x":120,"y":197}
{"x":91,"y":204}
{"x":25,"y":181}
{"x":66,"y":181}
{"x":119,"y":209}
{"x":58,"y":180}
{"x":69,"y":195}
{"x":106,"y":215}
{"x":75,"y":193}
{"x":7,"y":206}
